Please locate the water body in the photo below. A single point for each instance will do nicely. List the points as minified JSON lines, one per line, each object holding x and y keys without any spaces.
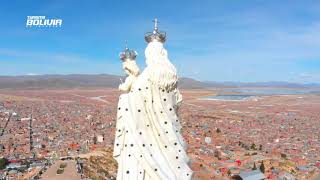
{"x":230,"y":97}
{"x":273,"y":91}
{"x":247,"y":93}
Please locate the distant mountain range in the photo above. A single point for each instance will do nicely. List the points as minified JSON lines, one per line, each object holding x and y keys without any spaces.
{"x":112,"y":81}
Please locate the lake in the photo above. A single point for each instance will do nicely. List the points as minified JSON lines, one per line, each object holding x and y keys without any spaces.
{"x":247,"y":93}
{"x":230,"y":97}
{"x":273,"y":91}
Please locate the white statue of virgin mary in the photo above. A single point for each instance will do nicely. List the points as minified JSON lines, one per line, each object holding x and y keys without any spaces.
{"x":148,"y":143}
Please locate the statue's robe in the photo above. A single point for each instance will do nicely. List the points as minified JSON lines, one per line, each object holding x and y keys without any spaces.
{"x":148,"y":143}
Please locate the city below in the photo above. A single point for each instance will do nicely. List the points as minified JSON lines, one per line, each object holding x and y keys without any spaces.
{"x":231,"y":133}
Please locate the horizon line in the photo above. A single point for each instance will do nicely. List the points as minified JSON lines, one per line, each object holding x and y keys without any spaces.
{"x":204,"y":81}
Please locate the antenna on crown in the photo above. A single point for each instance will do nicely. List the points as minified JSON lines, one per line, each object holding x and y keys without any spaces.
{"x":155,"y":25}
{"x":126,"y":44}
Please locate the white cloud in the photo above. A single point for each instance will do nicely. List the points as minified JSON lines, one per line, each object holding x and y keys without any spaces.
{"x":32,"y":74}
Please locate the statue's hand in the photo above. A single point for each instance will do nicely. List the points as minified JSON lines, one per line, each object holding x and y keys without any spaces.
{"x":127,"y":71}
{"x":126,"y":86}
{"x":178,"y":97}
{"x":123,"y":87}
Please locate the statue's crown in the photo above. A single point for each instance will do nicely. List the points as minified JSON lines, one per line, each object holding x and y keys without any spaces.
{"x":128,"y":54}
{"x":155,"y":35}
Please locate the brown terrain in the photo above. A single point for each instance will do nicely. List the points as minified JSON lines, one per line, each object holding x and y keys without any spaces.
{"x":70,"y":171}
{"x":279,"y":132}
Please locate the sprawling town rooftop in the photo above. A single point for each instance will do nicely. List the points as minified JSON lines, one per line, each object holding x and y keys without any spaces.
{"x":277,"y":136}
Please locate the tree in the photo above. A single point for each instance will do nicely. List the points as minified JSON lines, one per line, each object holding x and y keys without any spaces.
{"x":217,"y":154}
{"x":60,"y":171}
{"x":95,"y":139}
{"x":262,"y":168}
{"x":218,"y":130}
{"x":254,"y":166}
{"x":63,"y":165}
{"x":260,"y":147}
{"x":3,"y":163}
{"x":253,"y":146}
{"x":229,"y":172}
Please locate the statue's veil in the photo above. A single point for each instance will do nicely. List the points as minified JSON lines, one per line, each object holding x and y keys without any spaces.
{"x":161,"y":71}
{"x":148,"y":143}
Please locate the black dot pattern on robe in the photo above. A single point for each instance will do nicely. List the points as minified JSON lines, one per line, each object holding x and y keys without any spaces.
{"x":166,"y":107}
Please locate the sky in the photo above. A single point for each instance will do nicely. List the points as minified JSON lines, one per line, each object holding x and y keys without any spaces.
{"x":208,"y":40}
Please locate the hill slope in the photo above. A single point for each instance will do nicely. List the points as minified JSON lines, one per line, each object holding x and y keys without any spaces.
{"x":113,"y":81}
{"x":77,"y":81}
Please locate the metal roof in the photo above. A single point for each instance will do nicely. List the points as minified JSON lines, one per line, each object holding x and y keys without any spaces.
{"x":252,"y":175}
